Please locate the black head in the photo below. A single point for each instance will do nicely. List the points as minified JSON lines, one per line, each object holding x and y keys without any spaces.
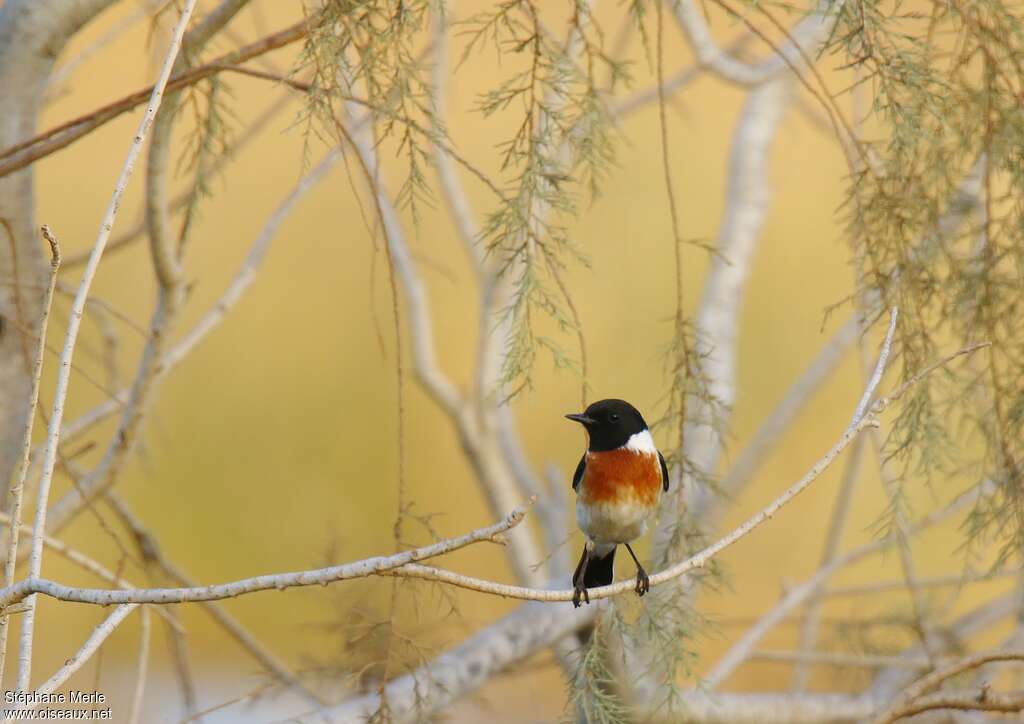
{"x":610,"y":423}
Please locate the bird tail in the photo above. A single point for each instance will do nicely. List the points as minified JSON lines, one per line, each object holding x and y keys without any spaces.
{"x":600,"y":571}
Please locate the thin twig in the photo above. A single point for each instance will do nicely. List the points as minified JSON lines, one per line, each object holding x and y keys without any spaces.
{"x":80,"y":657}
{"x":26,"y":152}
{"x":393,"y":565}
{"x":245,"y":137}
{"x":65,"y":510}
{"x":840,"y":515}
{"x":152,"y":553}
{"x":836,"y":529}
{"x":876,"y":375}
{"x":839,"y":660}
{"x":796,"y":595}
{"x":18,"y":488}
{"x":71,"y":336}
{"x":981,"y":700}
{"x":143,"y":667}
{"x":909,"y":702}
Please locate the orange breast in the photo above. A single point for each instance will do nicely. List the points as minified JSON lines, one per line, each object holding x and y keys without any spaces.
{"x":615,"y":474}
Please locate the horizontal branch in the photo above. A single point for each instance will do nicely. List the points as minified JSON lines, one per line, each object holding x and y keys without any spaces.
{"x":840,"y":660}
{"x":321,"y":576}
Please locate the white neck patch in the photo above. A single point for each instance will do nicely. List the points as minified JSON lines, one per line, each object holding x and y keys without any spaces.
{"x":642,"y":442}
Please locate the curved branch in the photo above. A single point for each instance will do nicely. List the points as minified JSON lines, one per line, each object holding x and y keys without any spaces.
{"x":805,"y":37}
{"x":389,"y":566}
{"x":68,"y":507}
{"x":71,"y":337}
{"x":913,"y":700}
{"x":318,"y":577}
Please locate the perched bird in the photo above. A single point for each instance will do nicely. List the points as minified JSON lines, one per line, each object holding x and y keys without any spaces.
{"x":618,"y":486}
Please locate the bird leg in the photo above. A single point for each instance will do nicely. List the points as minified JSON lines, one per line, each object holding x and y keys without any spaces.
{"x":643,"y":583}
{"x":579,"y":588}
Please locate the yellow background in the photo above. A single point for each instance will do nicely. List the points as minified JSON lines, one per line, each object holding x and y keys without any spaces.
{"x":272,"y":447}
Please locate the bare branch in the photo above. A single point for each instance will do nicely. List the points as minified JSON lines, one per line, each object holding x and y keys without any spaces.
{"x":152,"y":554}
{"x":981,"y":700}
{"x":72,"y":503}
{"x":888,"y":684}
{"x":143,"y":667}
{"x":76,"y":661}
{"x":32,"y":34}
{"x":796,"y":595}
{"x":845,"y":661}
{"x":840,"y":512}
{"x":318,"y":577}
{"x":805,"y":37}
{"x":785,"y":412}
{"x":669,"y":574}
{"x":836,"y":530}
{"x":251,"y":131}
{"x":17,"y":488}
{"x":876,"y":376}
{"x":77,"y":309}
{"x":22,"y":154}
{"x":428,"y":372}
{"x":913,"y":701}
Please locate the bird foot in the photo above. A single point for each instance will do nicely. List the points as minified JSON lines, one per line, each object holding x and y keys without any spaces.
{"x":643,"y":583}
{"x":579,"y":590}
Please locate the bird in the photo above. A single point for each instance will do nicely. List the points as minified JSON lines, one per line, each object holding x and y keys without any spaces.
{"x":618,"y":482}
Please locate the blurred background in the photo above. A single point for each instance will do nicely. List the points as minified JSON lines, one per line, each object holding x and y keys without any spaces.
{"x":272,"y":447}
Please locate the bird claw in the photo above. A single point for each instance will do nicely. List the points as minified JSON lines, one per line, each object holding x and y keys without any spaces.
{"x":643,"y":583}
{"x":579,"y":590}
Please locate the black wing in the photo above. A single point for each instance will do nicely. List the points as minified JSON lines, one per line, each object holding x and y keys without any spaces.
{"x":664,"y":472}
{"x":578,"y":475}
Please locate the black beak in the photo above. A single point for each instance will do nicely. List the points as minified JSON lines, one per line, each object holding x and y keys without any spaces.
{"x":582,"y":418}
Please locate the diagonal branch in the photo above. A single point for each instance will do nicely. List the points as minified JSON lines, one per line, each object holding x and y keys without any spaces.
{"x":65,"y":510}
{"x":913,"y":700}
{"x":26,"y":152}
{"x":71,"y":336}
{"x":78,"y":659}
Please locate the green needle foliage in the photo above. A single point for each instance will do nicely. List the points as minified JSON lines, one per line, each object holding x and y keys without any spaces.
{"x":945,"y":83}
{"x":947,"y":94}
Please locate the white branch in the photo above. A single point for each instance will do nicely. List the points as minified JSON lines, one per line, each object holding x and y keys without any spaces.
{"x":796,"y":595}
{"x":669,"y":574}
{"x":534,"y":626}
{"x":879,"y":370}
{"x":318,"y":577}
{"x":143,"y":667}
{"x":18,"y":488}
{"x":782,"y":416}
{"x":72,"y":503}
{"x":71,"y":336}
{"x":395,"y":565}
{"x":718,"y":315}
{"x":806,"y":36}
{"x":905,"y":705}
{"x":421,"y":327}
{"x":73,"y":664}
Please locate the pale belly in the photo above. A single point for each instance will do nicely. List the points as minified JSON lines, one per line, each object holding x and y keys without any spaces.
{"x":613,"y":522}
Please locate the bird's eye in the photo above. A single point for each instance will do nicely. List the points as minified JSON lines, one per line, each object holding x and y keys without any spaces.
{"x":614,"y":417}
